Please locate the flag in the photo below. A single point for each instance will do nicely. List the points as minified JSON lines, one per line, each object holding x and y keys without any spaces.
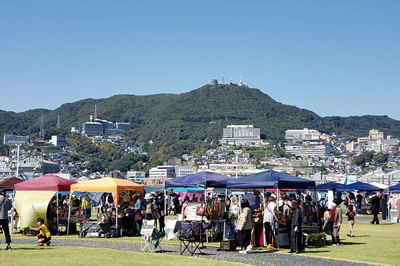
{"x":345,"y":181}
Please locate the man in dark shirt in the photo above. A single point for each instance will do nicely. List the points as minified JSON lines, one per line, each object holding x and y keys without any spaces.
{"x":358,"y":203}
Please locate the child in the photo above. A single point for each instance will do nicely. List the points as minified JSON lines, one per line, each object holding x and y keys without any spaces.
{"x":351,"y":215}
{"x":44,"y":235}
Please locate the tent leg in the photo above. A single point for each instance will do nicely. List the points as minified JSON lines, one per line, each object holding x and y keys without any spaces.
{"x":165,"y":202}
{"x":116,"y":218}
{"x":69,"y":213}
{"x":58,"y":216}
{"x":277,"y":204}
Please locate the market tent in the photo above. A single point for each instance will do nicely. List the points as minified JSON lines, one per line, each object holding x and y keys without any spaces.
{"x":359,"y":186}
{"x":8,"y":184}
{"x":271,"y":179}
{"x":46,"y":182}
{"x":200,"y":179}
{"x":329,"y":186}
{"x":33,"y":196}
{"x":394,"y":188}
{"x":112,"y":185}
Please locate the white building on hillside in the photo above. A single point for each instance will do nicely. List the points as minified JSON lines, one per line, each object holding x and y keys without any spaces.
{"x":246,"y":135}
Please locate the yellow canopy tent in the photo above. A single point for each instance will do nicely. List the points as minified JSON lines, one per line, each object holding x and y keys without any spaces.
{"x":111,"y":185}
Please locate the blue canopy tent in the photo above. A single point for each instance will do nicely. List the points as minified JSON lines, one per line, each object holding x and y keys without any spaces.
{"x":200,"y":179}
{"x":329,"y":186}
{"x":359,"y":186}
{"x":271,"y":179}
{"x":394,"y":188}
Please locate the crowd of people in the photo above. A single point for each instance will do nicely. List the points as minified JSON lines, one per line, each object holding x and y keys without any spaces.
{"x":255,"y":222}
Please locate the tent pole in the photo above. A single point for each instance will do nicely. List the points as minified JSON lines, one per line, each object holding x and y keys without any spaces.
{"x":116,"y":215}
{"x":277,"y":199}
{"x":165,"y":202}
{"x":58,"y":215}
{"x":69,"y":212}
{"x":12,"y":213}
{"x":226,"y":198}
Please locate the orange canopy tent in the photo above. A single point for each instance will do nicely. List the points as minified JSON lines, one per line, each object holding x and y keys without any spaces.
{"x":112,"y":185}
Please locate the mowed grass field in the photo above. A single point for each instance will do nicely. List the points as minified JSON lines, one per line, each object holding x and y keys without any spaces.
{"x":378,"y":244}
{"x":57,"y":255}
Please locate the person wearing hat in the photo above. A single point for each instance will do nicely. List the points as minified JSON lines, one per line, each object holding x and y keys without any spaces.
{"x":296,"y":220}
{"x":151,"y":212}
{"x":5,"y":206}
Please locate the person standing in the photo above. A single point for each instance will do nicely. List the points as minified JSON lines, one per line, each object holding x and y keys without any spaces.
{"x":244,"y":226}
{"x":375,"y":204}
{"x":337,"y":221}
{"x":359,"y":199}
{"x":269,"y":221}
{"x":384,"y":206}
{"x":351,"y":216}
{"x":296,"y":218}
{"x":161,"y":211}
{"x":5,"y":206}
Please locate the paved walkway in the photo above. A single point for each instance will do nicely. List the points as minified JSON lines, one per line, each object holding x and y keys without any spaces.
{"x":254,"y":258}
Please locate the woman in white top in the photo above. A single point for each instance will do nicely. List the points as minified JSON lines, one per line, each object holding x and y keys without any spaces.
{"x":270,"y":216}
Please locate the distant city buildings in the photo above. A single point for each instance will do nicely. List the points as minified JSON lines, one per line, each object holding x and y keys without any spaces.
{"x":302,"y":134}
{"x":158,"y":175}
{"x":99,"y":127}
{"x":136,"y":176}
{"x":377,"y":142}
{"x":58,"y":141}
{"x":242,"y":135}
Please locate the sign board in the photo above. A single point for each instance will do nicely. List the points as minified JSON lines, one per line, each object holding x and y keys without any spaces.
{"x":15,"y":140}
{"x":191,"y":212}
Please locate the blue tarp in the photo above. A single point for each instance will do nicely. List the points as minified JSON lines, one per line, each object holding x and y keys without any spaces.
{"x":188,"y":189}
{"x":329,"y":186}
{"x":200,"y":179}
{"x":359,"y":186}
{"x":394,"y":188}
{"x":271,"y":179}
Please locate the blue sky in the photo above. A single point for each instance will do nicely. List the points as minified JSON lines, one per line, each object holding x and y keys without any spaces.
{"x":331,"y":57}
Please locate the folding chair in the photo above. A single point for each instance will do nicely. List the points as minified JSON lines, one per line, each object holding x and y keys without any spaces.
{"x":151,"y":237}
{"x":190,"y":240}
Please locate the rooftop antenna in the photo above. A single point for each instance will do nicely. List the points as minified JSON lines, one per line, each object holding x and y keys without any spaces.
{"x":240,"y":81}
{"x":95,"y":111}
{"x":58,"y":122}
{"x":41,"y":132}
{"x":222,"y":79}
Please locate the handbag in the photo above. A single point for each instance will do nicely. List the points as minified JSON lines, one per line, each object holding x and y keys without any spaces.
{"x":202,"y":210}
{"x":138,"y":217}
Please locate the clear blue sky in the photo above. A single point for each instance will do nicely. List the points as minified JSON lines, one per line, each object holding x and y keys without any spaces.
{"x":331,"y":57}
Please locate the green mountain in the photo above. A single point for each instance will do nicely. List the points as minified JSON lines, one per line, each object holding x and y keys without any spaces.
{"x":196,"y":116}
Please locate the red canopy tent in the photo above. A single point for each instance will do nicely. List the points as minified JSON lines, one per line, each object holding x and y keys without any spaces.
{"x":46,"y":182}
{"x":8,"y":184}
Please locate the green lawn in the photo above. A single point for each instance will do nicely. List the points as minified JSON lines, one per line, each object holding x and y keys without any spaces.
{"x":379,"y":244}
{"x":55,"y":255}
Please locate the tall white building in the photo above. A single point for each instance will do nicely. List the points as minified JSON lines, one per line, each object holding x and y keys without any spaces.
{"x":136,"y":176}
{"x":302,"y":134}
{"x":246,"y":135}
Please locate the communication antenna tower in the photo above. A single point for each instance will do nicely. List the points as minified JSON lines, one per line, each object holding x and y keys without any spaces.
{"x":95,"y":111}
{"x":41,"y":132}
{"x":222,"y":79}
{"x":240,"y":81}
{"x":58,"y":122}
